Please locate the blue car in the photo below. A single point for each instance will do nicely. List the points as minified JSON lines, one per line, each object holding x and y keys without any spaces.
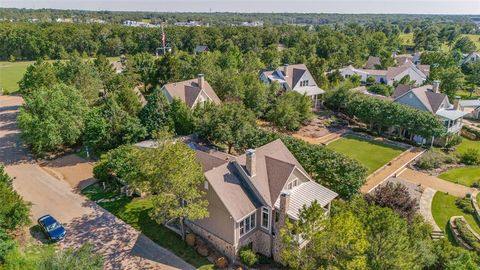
{"x":52,"y":228}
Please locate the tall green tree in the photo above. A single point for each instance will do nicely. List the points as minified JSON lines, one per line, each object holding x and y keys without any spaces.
{"x":291,"y":110}
{"x":230,"y":124}
{"x":40,"y":74}
{"x":181,"y":117}
{"x":52,"y":117}
{"x":156,"y":114}
{"x":173,"y":177}
{"x":465,"y":45}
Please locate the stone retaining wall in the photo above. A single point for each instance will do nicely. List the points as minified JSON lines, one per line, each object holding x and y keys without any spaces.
{"x":456,"y":234}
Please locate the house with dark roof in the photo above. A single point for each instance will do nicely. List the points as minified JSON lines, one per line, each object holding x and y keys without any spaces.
{"x":192,"y":92}
{"x":251,"y":196}
{"x":428,"y":98}
{"x":294,"y":78}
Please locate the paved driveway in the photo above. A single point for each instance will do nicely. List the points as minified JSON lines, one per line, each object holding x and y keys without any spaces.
{"x":435,"y":183}
{"x":122,"y":246}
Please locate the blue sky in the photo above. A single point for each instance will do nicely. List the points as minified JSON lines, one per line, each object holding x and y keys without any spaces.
{"x":317,"y":6}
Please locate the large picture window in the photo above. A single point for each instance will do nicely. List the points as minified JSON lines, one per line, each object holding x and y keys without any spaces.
{"x":247,"y":224}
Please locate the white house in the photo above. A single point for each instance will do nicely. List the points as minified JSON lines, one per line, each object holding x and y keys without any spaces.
{"x":428,"y":98}
{"x":294,"y":78}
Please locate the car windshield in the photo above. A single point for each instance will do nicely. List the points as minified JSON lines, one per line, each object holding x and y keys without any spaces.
{"x":53,"y":227}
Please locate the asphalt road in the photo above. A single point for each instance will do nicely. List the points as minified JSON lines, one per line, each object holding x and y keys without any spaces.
{"x":121,"y":245}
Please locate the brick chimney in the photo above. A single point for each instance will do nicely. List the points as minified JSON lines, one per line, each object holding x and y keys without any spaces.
{"x":201,"y":81}
{"x":285,"y":68}
{"x":436,"y":86}
{"x":284,"y":202}
{"x":456,"y":103}
{"x":251,"y":162}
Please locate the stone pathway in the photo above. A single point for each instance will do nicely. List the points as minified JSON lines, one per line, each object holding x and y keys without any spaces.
{"x":391,"y":169}
{"x":426,"y":207}
{"x":435,"y":183}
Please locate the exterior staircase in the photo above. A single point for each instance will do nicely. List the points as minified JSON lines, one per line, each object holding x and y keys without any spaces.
{"x":437,"y":235}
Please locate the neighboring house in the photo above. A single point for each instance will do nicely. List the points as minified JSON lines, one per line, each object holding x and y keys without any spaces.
{"x":251,"y":196}
{"x":428,"y":98}
{"x":395,"y":74}
{"x":417,"y":73}
{"x":191,"y":92}
{"x":379,"y":75}
{"x":200,"y":49}
{"x":471,"y":107}
{"x":294,"y":78}
{"x":402,"y":59}
{"x":373,"y":62}
{"x":472,"y":57}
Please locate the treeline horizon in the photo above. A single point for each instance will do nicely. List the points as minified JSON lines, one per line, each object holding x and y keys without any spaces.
{"x":219,"y":18}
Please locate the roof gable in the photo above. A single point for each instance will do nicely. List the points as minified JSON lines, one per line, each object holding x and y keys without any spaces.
{"x":278,"y":173}
{"x":188,"y":91}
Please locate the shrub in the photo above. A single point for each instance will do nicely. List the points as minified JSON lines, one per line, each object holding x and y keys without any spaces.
{"x":248,"y":257}
{"x":381,"y":89}
{"x":465,"y":204}
{"x":466,"y":234}
{"x":453,"y":140}
{"x":470,"y":157}
{"x":396,"y":197}
{"x":433,"y":159}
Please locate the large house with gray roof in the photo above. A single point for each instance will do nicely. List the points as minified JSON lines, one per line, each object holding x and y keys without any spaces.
{"x":428,"y":98}
{"x":294,"y":78}
{"x":251,"y":196}
{"x":192,"y":92}
{"x":417,"y":73}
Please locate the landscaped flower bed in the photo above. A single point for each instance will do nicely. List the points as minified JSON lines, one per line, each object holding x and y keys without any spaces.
{"x":464,"y":234}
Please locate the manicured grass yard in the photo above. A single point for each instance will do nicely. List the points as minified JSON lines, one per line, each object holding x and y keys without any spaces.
{"x":462,"y":176}
{"x":466,"y":144}
{"x":370,"y":153}
{"x":135,"y":212}
{"x":443,"y":208}
{"x":11,"y":73}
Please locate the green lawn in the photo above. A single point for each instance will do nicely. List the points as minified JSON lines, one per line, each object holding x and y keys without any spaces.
{"x":12,"y":72}
{"x":406,"y":39}
{"x":467,"y":144}
{"x":476,"y":39}
{"x":467,"y":95}
{"x":135,"y":212}
{"x":443,"y":207}
{"x":462,"y":176}
{"x":371,"y":154}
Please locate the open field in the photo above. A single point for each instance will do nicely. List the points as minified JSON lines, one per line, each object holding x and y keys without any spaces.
{"x":407,"y":39}
{"x":371,"y":154}
{"x":443,"y":207}
{"x":462,"y":176}
{"x":12,"y":72}
{"x":135,"y":213}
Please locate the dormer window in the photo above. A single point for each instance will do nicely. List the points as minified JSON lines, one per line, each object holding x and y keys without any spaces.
{"x":304,"y":83}
{"x":292,"y":184}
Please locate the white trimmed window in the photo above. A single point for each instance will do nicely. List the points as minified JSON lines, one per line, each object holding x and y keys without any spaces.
{"x":265,"y":218}
{"x":292,"y":184}
{"x":247,"y":224}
